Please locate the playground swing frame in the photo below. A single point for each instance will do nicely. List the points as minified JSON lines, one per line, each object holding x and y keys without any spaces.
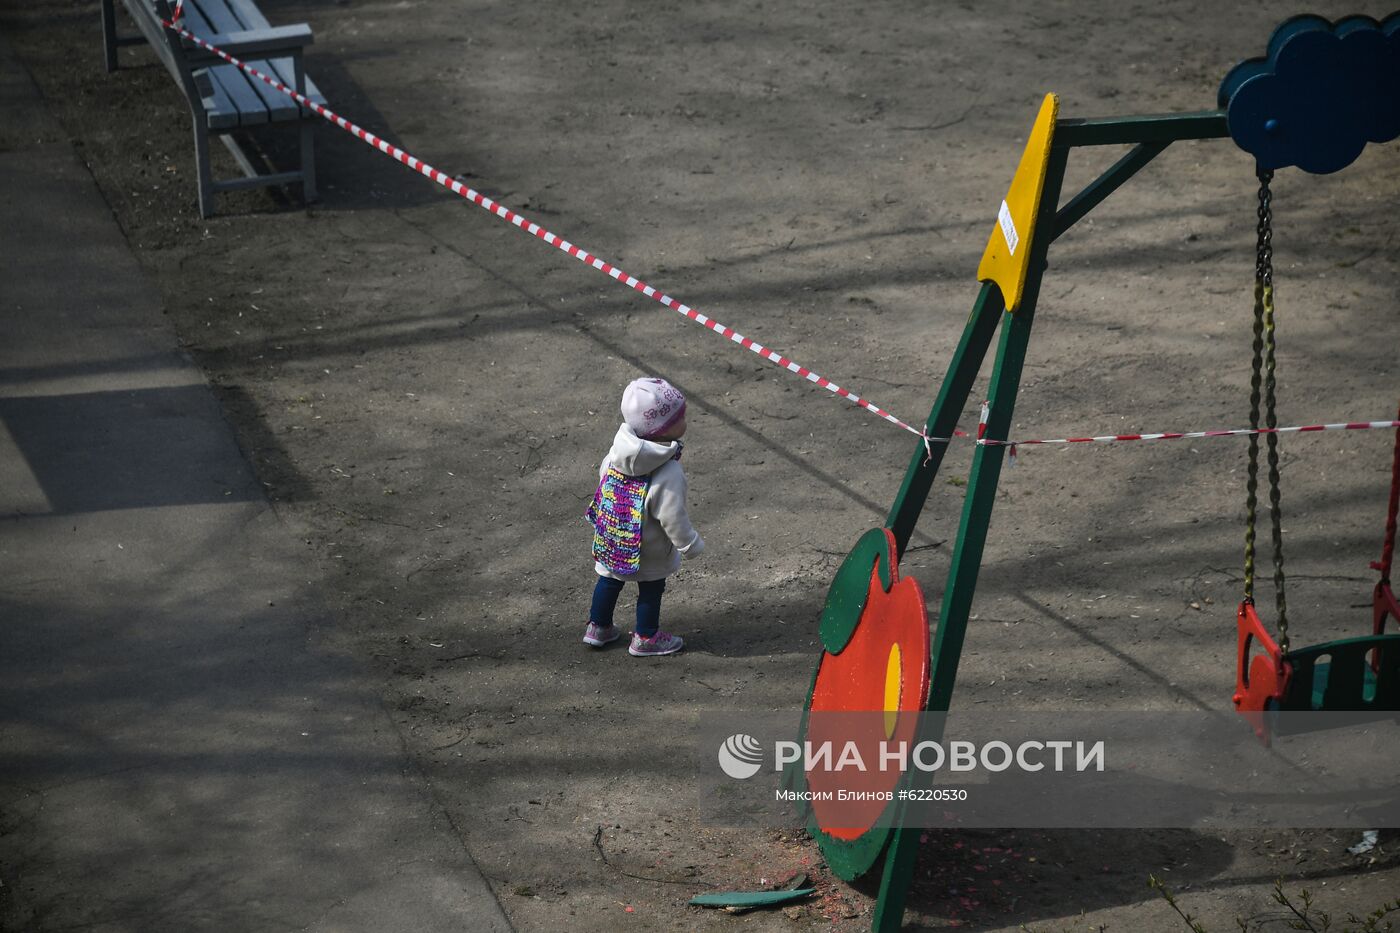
{"x":1149,"y":136}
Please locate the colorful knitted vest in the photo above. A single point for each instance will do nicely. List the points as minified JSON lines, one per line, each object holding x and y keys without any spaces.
{"x":617,"y":514}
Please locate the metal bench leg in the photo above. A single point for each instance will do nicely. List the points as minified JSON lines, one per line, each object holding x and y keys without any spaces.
{"x":109,"y":35}
{"x":111,"y":41}
{"x":308,"y":153}
{"x":201,"y":158}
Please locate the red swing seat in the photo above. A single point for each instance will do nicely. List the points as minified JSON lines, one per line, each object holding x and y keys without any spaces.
{"x":1261,"y":681}
{"x":1350,"y":674}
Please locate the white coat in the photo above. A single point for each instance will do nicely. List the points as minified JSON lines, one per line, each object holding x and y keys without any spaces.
{"x":667,"y":534}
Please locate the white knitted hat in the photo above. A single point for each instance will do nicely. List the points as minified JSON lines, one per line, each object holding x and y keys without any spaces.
{"x":651,"y":406}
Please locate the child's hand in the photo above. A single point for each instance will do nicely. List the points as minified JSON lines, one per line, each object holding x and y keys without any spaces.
{"x":694,"y":548}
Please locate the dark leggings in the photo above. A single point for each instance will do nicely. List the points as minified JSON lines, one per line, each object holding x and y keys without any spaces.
{"x":649,"y":592}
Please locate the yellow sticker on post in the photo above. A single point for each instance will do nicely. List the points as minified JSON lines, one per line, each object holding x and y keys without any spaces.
{"x":1005,"y":260}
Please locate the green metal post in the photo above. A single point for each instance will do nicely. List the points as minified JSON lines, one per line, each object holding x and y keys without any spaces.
{"x":1146,"y":128}
{"x":943,"y":417}
{"x":986,"y":461}
{"x":900,"y":856}
{"x":1107,"y":183}
{"x":987,"y":312}
{"x":902,"y":851}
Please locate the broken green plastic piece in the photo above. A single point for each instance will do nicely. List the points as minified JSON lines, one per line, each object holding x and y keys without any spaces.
{"x":749,"y":898}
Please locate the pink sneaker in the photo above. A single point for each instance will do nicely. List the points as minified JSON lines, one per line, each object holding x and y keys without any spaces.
{"x":660,"y":643}
{"x":598,"y":636}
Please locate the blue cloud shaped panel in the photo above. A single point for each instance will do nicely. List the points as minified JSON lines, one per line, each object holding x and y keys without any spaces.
{"x":1322,"y":93}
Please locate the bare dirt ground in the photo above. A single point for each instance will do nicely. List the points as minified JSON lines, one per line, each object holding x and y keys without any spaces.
{"x":426,"y":392}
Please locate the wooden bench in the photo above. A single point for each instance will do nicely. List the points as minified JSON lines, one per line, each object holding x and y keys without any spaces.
{"x":224,"y":101}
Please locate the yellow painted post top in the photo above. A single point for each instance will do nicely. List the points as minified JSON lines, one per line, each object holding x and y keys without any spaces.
{"x":1008,"y":251}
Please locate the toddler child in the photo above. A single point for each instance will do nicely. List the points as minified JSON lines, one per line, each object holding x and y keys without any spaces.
{"x":641,"y":530}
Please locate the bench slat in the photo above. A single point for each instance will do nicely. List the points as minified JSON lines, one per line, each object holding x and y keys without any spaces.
{"x":282,"y":70}
{"x":280,"y":40}
{"x":219,"y":108}
{"x":250,"y":107}
{"x":221,"y":111}
{"x":220,"y":19}
{"x":247,"y":104}
{"x":280,"y":107}
{"x":248,"y":14}
{"x":252,"y":18}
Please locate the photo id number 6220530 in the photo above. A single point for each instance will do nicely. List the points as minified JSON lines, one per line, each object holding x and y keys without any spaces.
{"x":933,"y":794}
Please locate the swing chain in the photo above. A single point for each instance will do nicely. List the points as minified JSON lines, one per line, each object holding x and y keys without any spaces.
{"x":1263,"y":260}
{"x":1275,"y":510}
{"x":1263,"y":375}
{"x":1264,"y":255}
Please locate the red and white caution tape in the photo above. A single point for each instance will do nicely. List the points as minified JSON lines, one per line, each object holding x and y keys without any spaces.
{"x":631,"y":281}
{"x":510,"y":216}
{"x":1175,"y":435}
